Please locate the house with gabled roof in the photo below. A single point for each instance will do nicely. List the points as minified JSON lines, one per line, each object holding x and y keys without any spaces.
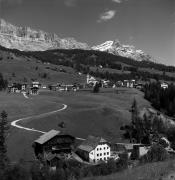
{"x":53,"y":142}
{"x":94,"y":149}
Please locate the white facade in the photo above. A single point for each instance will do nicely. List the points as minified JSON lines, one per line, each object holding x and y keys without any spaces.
{"x":101,"y":152}
{"x":35,"y":84}
{"x":91,"y":79}
{"x":164,"y":85}
{"x":143,"y":150}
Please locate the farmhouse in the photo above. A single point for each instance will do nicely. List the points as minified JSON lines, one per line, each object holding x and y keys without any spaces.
{"x":94,"y":149}
{"x":53,"y":142}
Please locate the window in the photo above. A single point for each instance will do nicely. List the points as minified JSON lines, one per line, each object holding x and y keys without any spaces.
{"x":104,"y":158}
{"x":104,"y":154}
{"x":97,"y":154}
{"x":100,"y":154}
{"x":104,"y":148}
{"x":97,"y":149}
{"x":100,"y":158}
{"x":107,"y":153}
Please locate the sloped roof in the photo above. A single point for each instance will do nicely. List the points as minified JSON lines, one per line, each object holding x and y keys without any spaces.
{"x":91,"y":143}
{"x":47,"y":136}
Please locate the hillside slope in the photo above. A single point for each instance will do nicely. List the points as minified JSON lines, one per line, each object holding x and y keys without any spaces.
{"x":96,"y":63}
{"x":20,"y":68}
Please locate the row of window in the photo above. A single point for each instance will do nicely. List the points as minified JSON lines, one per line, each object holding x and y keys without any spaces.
{"x":105,"y":158}
{"x":102,"y":148}
{"x":100,"y":154}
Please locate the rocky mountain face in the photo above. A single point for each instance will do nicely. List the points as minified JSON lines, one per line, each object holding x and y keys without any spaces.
{"x":116,"y":48}
{"x":27,"y":39}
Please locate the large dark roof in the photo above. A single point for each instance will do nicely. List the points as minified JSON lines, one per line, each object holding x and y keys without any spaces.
{"x":91,"y":143}
{"x":47,"y":136}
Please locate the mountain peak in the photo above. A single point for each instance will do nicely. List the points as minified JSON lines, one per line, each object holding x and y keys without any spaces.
{"x":116,"y":48}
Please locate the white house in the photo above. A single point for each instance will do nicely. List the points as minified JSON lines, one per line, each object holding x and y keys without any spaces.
{"x":94,"y":149}
{"x":164,"y":85}
{"x":91,"y":80}
{"x":36,"y":84}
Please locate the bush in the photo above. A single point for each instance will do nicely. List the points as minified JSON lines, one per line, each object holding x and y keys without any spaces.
{"x":156,"y":153}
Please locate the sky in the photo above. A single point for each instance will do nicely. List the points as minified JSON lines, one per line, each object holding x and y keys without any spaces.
{"x":147,"y":24}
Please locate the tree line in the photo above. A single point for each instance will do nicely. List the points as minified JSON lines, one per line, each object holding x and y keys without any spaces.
{"x":161,"y":99}
{"x":3,"y":82}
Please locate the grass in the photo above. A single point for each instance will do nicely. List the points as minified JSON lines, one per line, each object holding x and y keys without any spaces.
{"x":150,"y":171}
{"x":18,"y":68}
{"x":99,"y":114}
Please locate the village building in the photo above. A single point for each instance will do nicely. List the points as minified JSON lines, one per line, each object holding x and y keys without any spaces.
{"x":119,"y":84}
{"x":23,"y":87}
{"x":90,"y":80}
{"x":52,"y":144}
{"x":53,"y":87}
{"x":105,"y":83}
{"x":16,"y":88}
{"x":12,"y":89}
{"x":164,"y":85}
{"x":94,"y":149}
{"x":139,"y":86}
{"x":129,"y":83}
{"x":43,"y":86}
{"x":34,"y":90}
{"x":36,"y":84}
{"x":134,"y":150}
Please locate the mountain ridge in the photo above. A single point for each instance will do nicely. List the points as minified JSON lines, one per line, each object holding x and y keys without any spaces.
{"x":28,"y":39}
{"x":15,"y":37}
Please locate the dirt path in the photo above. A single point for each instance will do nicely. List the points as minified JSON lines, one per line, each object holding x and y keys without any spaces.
{"x":14,"y":123}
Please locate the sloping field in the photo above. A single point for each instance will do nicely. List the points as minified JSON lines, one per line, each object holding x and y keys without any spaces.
{"x":99,"y":114}
{"x":21,"y":69}
{"x":150,"y":171}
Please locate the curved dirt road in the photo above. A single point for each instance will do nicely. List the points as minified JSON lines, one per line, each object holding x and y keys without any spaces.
{"x":14,"y":123}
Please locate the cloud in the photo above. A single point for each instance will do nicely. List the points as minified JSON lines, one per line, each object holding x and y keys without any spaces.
{"x":70,"y":3}
{"x":117,"y":1}
{"x":106,"y":16}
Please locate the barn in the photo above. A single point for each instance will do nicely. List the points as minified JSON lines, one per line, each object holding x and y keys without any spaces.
{"x":53,"y":142}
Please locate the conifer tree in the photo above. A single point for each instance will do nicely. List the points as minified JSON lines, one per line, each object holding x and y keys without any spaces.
{"x":3,"y":134}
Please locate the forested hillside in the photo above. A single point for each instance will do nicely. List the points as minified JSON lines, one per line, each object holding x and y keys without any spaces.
{"x":102,"y":64}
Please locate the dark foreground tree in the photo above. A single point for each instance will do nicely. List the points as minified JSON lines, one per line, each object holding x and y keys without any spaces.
{"x":96,"y":88}
{"x":3,"y":134}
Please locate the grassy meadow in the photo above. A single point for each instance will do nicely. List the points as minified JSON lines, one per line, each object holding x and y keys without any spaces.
{"x":100,"y":114}
{"x":151,"y":171}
